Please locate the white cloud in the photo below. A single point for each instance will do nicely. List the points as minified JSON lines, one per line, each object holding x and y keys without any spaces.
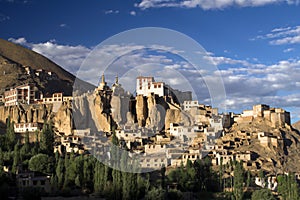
{"x":246,"y":83}
{"x":133,"y":13}
{"x":287,"y":40}
{"x":288,"y":50}
{"x":282,"y":36}
{"x":21,"y":41}
{"x":63,"y":25}
{"x":111,"y":11}
{"x":69,"y":57}
{"x":209,"y":4}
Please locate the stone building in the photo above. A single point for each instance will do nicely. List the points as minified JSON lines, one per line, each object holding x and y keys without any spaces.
{"x":146,"y":85}
{"x":277,"y":116}
{"x":35,"y":180}
{"x":22,"y":94}
{"x":27,"y":127}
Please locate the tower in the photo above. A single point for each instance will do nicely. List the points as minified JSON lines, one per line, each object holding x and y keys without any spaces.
{"x":103,"y":84}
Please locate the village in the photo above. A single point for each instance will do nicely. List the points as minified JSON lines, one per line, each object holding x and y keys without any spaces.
{"x":161,"y":144}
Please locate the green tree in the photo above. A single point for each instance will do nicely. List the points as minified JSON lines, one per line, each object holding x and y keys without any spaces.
{"x":163,"y":176}
{"x":10,"y":134}
{"x":79,"y":162}
{"x":262,"y":194}
{"x":238,"y":182}
{"x":16,"y":160}
{"x":60,"y":168}
{"x":98,"y":177}
{"x":288,"y":187}
{"x":156,"y":194}
{"x":294,"y":187}
{"x":40,"y":163}
{"x":88,"y":172}
{"x":25,"y":152}
{"x":70,"y":169}
{"x":248,"y":182}
{"x":47,"y":139}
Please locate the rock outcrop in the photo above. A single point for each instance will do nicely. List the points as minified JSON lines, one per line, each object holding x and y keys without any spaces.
{"x":141,"y":110}
{"x":26,"y":113}
{"x":63,"y":120}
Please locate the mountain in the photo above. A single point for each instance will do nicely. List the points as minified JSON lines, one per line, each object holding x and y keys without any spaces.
{"x":13,"y":60}
{"x":296,"y":125}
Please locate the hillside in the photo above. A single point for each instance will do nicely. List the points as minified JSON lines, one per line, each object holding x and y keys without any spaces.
{"x":14,"y":57}
{"x":277,"y":157}
{"x":296,"y":125}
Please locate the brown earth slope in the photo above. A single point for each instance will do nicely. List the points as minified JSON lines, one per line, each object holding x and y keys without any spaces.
{"x":296,"y":126}
{"x":12,"y":59}
{"x":280,"y":158}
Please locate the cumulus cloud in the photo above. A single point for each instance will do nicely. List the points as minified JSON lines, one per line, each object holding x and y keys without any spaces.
{"x":67,"y":56}
{"x":209,"y":4}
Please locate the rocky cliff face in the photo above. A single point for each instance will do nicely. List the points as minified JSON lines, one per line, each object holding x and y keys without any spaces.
{"x":141,"y":110}
{"x":156,"y":112}
{"x":92,"y":111}
{"x":63,"y":120}
{"x":26,"y":113}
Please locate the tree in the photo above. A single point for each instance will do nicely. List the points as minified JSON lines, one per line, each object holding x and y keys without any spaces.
{"x":163,"y":176}
{"x":39,"y":163}
{"x":16,"y":161}
{"x":262,"y":194}
{"x":238,"y":182}
{"x":60,"y":172}
{"x":25,"y":149}
{"x":47,"y":139}
{"x":294,"y":188}
{"x":156,"y":194}
{"x":248,"y":182}
{"x":98,"y":177}
{"x":288,"y":187}
{"x":79,"y":170}
{"x":70,"y":169}
{"x":88,"y":172}
{"x":10,"y":134}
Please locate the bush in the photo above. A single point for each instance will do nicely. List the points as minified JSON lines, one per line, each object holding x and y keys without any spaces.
{"x":262,"y":194}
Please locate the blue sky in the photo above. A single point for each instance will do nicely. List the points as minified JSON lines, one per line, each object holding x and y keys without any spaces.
{"x":256,"y":43}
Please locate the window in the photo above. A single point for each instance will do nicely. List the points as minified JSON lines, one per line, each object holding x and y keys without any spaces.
{"x":42,"y":182}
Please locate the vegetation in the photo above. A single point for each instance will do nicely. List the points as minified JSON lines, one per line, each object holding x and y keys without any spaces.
{"x":73,"y":174}
{"x":263,"y":194}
